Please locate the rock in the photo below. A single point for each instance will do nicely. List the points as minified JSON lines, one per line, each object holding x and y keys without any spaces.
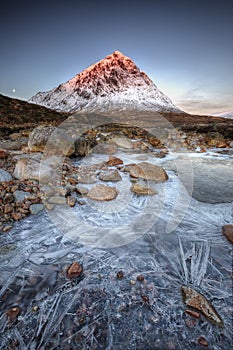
{"x":74,"y":270}
{"x":197,"y":301}
{"x":7,"y":228}
{"x":3,"y":154}
{"x":227,"y":231}
{"x":38,"y":138}
{"x":192,"y":313}
{"x":145,"y":298}
{"x":147,"y":171}
{"x":15,"y":135}
{"x":105,"y":148}
{"x":231,"y":144}
{"x":142,"y":157}
{"x":71,"y":201}
{"x":202,"y":341}
{"x":191,"y":322}
{"x":213,"y":142}
{"x":81,"y":190}
{"x":17,"y":216}
{"x":82,"y":147}
{"x":141,"y":145}
{"x":120,"y":274}
{"x":5,"y":176}
{"x":55,"y":140}
{"x":13,"y":313}
{"x":21,"y":195}
{"x":14,"y":188}
{"x":102,"y":193}
{"x":112,"y":176}
{"x":61,"y":191}
{"x":9,"y":198}
{"x":73,"y":181}
{"x":113,"y":161}
{"x":86,"y":179}
{"x":140,"y":190}
{"x":8,"y":208}
{"x":160,"y":154}
{"x":123,"y":142}
{"x":35,"y":308}
{"x":36,"y":208}
{"x":49,"y":206}
{"x":140,"y":278}
{"x":57,"y":200}
{"x":153,"y":141}
{"x":6,"y":248}
{"x":32,"y":169}
{"x":222,"y":144}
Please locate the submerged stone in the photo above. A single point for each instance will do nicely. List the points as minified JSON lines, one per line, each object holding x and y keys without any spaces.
{"x":141,"y":190}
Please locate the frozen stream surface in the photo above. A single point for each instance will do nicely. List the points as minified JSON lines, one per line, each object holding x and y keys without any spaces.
{"x":171,"y":239}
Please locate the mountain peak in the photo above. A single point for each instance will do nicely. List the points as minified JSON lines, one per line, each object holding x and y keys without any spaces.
{"x":115,"y":82}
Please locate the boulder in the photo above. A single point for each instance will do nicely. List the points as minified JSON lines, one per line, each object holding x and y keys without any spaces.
{"x":39,"y":137}
{"x":147,"y":171}
{"x":5,"y":176}
{"x":82,"y":146}
{"x":54,"y":139}
{"x":31,"y":169}
{"x":112,"y":176}
{"x":102,"y":193}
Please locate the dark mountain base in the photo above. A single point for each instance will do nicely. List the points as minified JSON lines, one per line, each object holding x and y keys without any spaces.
{"x":16,"y":115}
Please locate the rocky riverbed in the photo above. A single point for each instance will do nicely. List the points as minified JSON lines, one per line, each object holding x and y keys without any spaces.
{"x":126,"y":243}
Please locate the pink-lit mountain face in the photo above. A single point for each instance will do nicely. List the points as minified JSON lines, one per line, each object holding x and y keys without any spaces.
{"x":114,"y":83}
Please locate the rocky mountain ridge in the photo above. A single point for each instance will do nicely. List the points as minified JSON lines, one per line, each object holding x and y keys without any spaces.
{"x":114,"y":83}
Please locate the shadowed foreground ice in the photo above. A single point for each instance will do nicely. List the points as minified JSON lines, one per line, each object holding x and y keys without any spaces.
{"x":100,"y":311}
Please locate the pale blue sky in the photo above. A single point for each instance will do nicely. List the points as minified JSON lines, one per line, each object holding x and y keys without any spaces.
{"x":185,"y":47}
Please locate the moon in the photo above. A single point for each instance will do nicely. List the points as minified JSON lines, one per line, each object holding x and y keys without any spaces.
{"x":13,"y":90}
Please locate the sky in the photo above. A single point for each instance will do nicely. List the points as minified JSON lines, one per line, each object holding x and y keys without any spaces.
{"x":186,"y":47}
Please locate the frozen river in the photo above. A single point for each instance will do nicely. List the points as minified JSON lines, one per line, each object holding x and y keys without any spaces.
{"x":172,"y":239}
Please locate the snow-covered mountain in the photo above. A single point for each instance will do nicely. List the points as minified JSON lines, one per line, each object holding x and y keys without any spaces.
{"x":228,"y":114}
{"x":114,"y":83}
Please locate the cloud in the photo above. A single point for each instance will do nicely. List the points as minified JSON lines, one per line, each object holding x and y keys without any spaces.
{"x":198,"y":101}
